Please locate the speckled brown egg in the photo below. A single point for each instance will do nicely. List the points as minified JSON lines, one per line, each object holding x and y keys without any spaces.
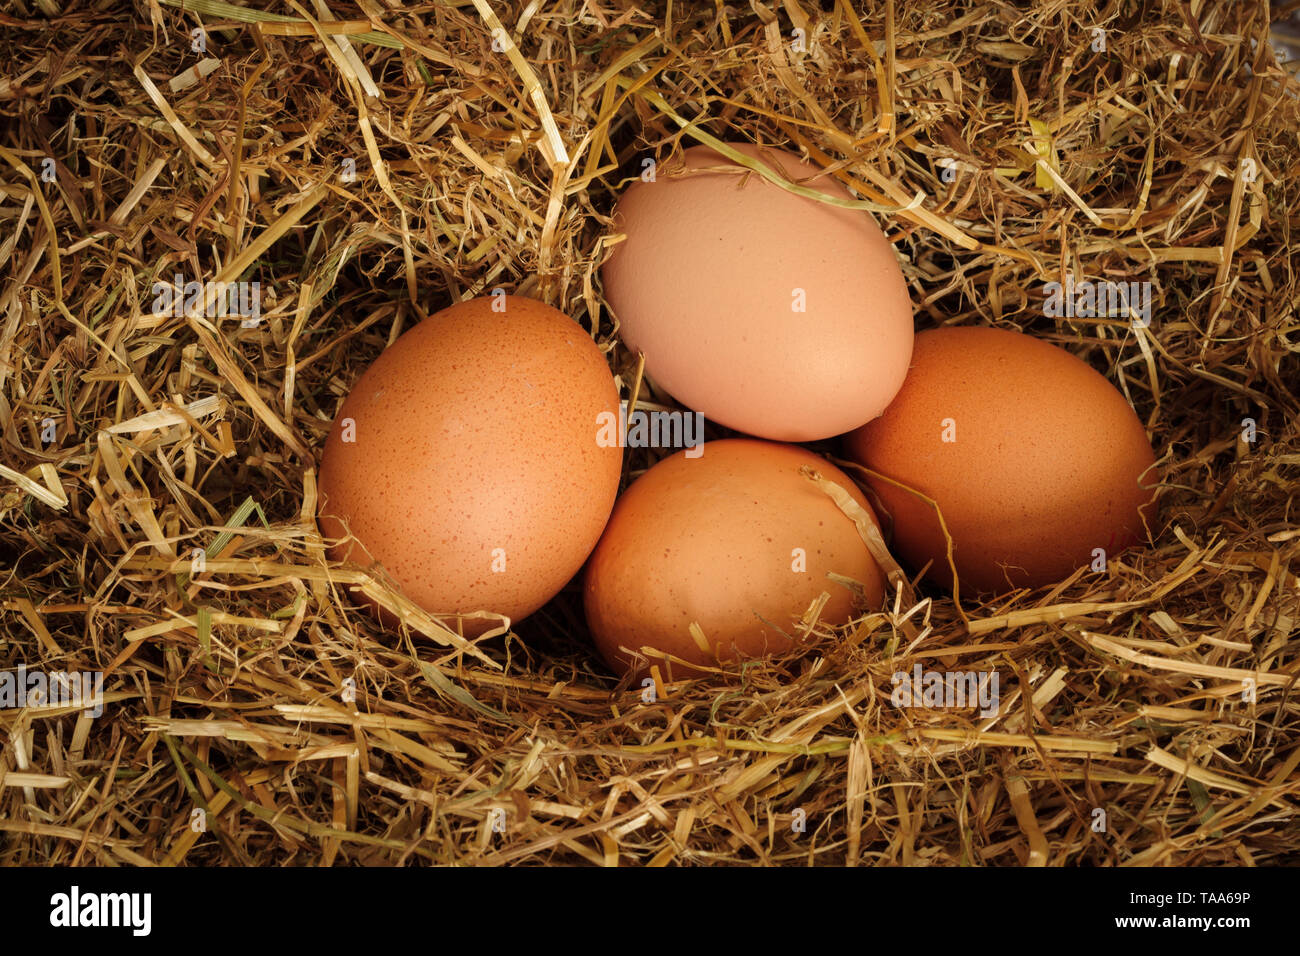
{"x":466,"y":459}
{"x":772,"y":313}
{"x":1034,"y":458}
{"x":737,"y":541}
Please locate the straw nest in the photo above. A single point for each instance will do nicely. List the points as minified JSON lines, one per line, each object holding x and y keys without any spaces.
{"x":1148,"y":714}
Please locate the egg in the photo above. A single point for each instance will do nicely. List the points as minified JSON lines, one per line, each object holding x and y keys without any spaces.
{"x":466,"y":459}
{"x":737,"y":541}
{"x":1034,"y":459}
{"x":771,"y":313}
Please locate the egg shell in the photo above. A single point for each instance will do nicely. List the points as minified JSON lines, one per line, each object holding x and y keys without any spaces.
{"x":476,"y":478}
{"x":1049,"y":460}
{"x":710,"y":282}
{"x":712,"y":540}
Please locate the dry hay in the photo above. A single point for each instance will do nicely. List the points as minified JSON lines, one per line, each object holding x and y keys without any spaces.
{"x":1166,"y":158}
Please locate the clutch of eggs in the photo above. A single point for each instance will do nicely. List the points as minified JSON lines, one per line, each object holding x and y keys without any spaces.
{"x":471,"y":463}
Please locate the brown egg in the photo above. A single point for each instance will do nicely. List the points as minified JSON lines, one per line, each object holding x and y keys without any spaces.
{"x":466,"y":462}
{"x":771,"y":313}
{"x":1033,"y":457}
{"x":737,"y":541}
